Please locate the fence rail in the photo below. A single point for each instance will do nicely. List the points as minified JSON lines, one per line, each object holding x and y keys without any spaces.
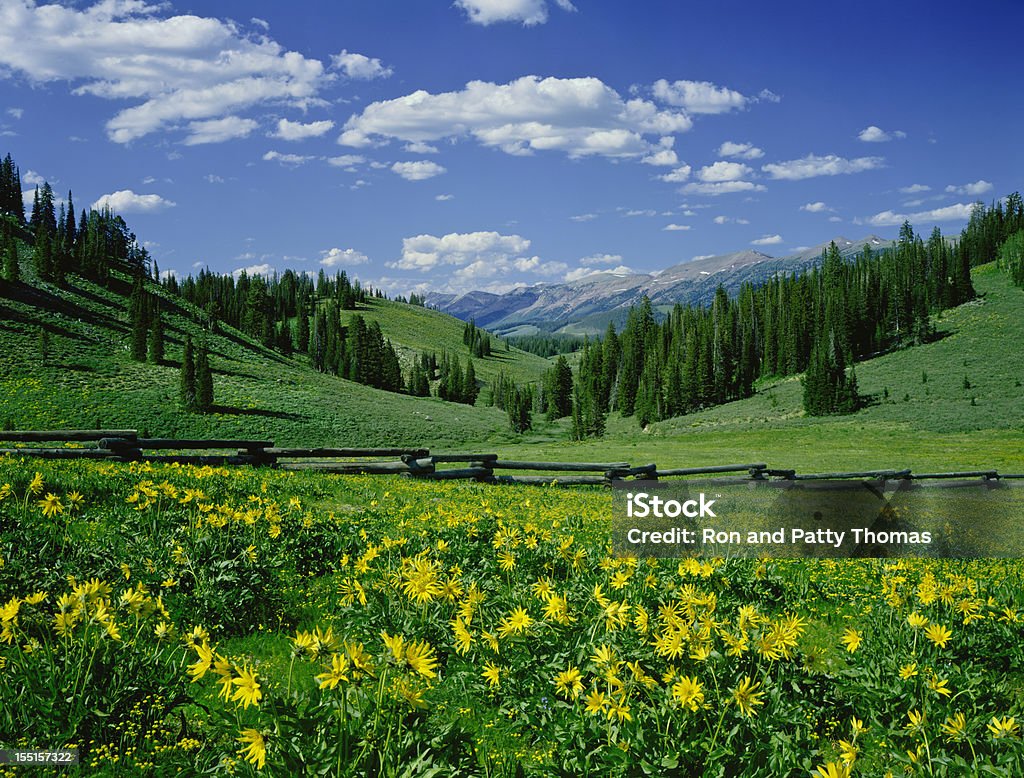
{"x":127,"y":446}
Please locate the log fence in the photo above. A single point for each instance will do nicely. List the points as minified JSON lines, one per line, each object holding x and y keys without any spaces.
{"x":127,"y":446}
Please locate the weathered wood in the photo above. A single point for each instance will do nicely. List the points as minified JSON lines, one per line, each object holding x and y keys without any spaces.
{"x":352,"y":468}
{"x":841,"y":476}
{"x":158,"y":444}
{"x":342,"y":453}
{"x":58,"y":453}
{"x":1003,"y":476}
{"x":712,"y":469}
{"x":560,"y":480}
{"x":986,"y":474}
{"x":70,"y":436}
{"x":645,"y":472}
{"x":774,"y":473}
{"x":464,"y":457}
{"x":571,"y":467}
{"x":455,"y":474}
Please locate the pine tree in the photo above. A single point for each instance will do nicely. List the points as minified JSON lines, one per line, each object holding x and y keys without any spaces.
{"x":42,"y":255}
{"x":204,"y":381}
{"x":156,"y":338}
{"x":139,"y":320}
{"x":302,"y":335}
{"x":188,"y":376}
{"x":11,"y":269}
{"x":469,"y":388}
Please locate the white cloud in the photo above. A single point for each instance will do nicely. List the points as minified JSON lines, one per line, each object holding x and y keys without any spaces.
{"x":580,"y":273}
{"x":915,"y":188}
{"x":663,"y":158}
{"x":834,"y":219}
{"x":721,"y":187}
{"x":578,"y":116}
{"x":602,"y":259}
{"x":419,"y":147}
{"x":335,"y":256}
{"x":286,"y":159}
{"x":978,"y":187}
{"x":729,"y":220}
{"x":740,"y":150}
{"x":16,"y":113}
{"x":767,"y":240}
{"x":875,"y":134}
{"x":526,"y":12}
{"x":426,"y":252}
{"x":359,"y":66}
{"x":348,"y":161}
{"x":813,"y":165}
{"x":676,"y":227}
{"x":958,"y":212}
{"x":442,"y":198}
{"x":583,"y":217}
{"x":698,"y":96}
{"x":32,"y":178}
{"x":642,"y":212}
{"x":677,"y":176}
{"x":254,"y":270}
{"x":724,"y":171}
{"x":175,"y":69}
{"x":289,"y":130}
{"x":417,"y":171}
{"x":212,"y":178}
{"x":127,"y":201}
{"x":219,"y":130}
{"x":818,"y":207}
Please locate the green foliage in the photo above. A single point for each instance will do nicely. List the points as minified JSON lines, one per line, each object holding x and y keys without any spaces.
{"x":1011,"y":257}
{"x":187,"y":385}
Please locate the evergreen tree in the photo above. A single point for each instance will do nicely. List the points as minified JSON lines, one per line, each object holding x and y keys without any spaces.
{"x":42,"y":255}
{"x":137,"y":308}
{"x":519,"y":410}
{"x":11,"y":269}
{"x":469,"y":388}
{"x":188,"y":376}
{"x":156,"y":338}
{"x":302,"y":335}
{"x":204,"y":381}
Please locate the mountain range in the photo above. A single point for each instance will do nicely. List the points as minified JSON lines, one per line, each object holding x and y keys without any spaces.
{"x":585,"y":306}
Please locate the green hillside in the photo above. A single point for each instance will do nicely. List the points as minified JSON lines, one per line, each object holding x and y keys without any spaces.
{"x":928,"y":421}
{"x":413,"y":329}
{"x":88,"y":379}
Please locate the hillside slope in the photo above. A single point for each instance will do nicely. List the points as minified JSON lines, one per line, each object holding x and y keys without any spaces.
{"x":87,"y":379}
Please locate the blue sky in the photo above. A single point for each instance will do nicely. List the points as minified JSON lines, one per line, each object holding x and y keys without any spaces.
{"x":485,"y":143}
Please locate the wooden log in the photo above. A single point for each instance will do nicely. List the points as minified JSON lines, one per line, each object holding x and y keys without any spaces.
{"x":352,"y":468}
{"x":986,"y":474}
{"x":59,"y":453}
{"x":840,"y":476}
{"x":464,"y":457}
{"x":572,"y":467}
{"x":789,"y":474}
{"x":712,"y":469}
{"x":455,"y":474}
{"x":560,"y":480}
{"x":159,"y":444}
{"x":645,"y":472}
{"x":1011,"y":475}
{"x":70,"y":436}
{"x":342,"y":453}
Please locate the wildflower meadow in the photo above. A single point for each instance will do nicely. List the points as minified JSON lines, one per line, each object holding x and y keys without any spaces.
{"x":169,"y":620}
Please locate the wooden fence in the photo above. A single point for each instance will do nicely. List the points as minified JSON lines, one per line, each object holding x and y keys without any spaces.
{"x":127,"y":446}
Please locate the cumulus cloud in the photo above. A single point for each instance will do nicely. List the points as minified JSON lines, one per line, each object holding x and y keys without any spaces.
{"x":15,"y":113}
{"x":417,"y":171}
{"x":420,"y":148}
{"x":978,"y":187}
{"x":698,"y":96}
{"x":602,"y":259}
{"x":347,"y":161}
{"x":443,"y":198}
{"x":875,"y":134}
{"x":767,"y":240}
{"x":676,"y":227}
{"x":334,"y":257}
{"x":583,"y":217}
{"x":665,"y":158}
{"x":578,"y":116}
{"x":289,"y":130}
{"x":817,"y":207}
{"x":460,"y":249}
{"x":715,"y":188}
{"x":677,"y":176}
{"x":286,"y":159}
{"x":958,"y":212}
{"x":724,"y":171}
{"x":740,"y":150}
{"x":176,"y":69}
{"x":263,"y":269}
{"x":127,"y":201}
{"x":729,"y":220}
{"x":525,"y":12}
{"x":814,"y":165}
{"x":219,"y":130}
{"x":359,"y":66}
{"x":915,"y":188}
